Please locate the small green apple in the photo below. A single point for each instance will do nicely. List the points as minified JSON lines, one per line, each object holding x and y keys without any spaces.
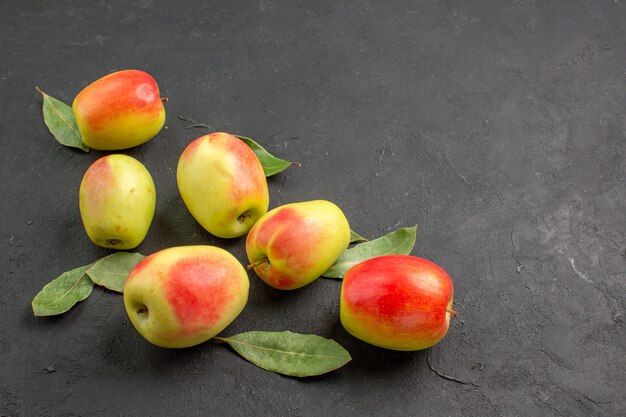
{"x":294,"y":244}
{"x":397,"y":302}
{"x":222,"y":184}
{"x":183,"y":296}
{"x":117,"y":201}
{"x":119,"y":111}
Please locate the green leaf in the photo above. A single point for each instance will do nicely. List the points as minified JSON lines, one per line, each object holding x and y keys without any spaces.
{"x":111,"y":271}
{"x":61,"y":122}
{"x":271,"y":164}
{"x":62,"y":293}
{"x":355,"y":237}
{"x":400,"y":241}
{"x":287,"y":353}
{"x":75,"y":285}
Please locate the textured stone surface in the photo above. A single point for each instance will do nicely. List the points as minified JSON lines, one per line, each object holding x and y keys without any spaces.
{"x":498,"y":126}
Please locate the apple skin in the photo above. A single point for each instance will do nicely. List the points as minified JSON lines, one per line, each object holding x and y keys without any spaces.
{"x":117,"y":199}
{"x":223,"y":185}
{"x":294,"y":244}
{"x":397,"y":302}
{"x":183,"y":296}
{"x":119,"y":111}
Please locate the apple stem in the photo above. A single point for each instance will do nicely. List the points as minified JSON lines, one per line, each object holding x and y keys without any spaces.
{"x":453,"y":312}
{"x":164,"y":99}
{"x":257,"y":263}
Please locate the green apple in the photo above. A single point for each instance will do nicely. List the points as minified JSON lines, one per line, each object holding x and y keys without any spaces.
{"x":397,"y":302}
{"x":294,"y":244}
{"x":117,"y":200}
{"x":222,"y":184}
{"x":119,"y":111}
{"x":183,"y":296}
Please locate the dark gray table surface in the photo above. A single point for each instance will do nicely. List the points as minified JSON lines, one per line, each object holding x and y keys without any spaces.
{"x":497,"y":126}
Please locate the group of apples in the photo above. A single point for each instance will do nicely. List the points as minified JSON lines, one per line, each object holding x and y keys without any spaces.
{"x":183,"y":296}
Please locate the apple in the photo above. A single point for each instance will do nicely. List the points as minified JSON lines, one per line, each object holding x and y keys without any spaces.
{"x":223,"y":185}
{"x":294,"y":244}
{"x":117,"y":201}
{"x":119,"y":111}
{"x":183,"y":296}
{"x":398,"y":302}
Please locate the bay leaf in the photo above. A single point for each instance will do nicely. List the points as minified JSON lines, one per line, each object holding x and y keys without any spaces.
{"x":61,"y":122}
{"x":59,"y":295}
{"x":111,"y":271}
{"x":288,"y":353}
{"x":271,"y":164}
{"x":400,"y":241}
{"x":355,"y":237}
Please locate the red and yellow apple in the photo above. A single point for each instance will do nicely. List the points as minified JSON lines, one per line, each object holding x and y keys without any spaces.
{"x":222,"y":184}
{"x":398,"y":302}
{"x":182,"y":296}
{"x":294,"y":244}
{"x":119,"y":111}
{"x":117,"y":201}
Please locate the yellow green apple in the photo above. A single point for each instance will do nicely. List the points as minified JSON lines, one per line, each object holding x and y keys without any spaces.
{"x":119,"y":111}
{"x":397,"y":302}
{"x":296,"y":243}
{"x":117,"y":201}
{"x":222,"y":184}
{"x":183,"y":296}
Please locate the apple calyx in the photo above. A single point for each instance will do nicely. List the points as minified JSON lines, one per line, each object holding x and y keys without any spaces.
{"x":142,"y":313}
{"x":451,"y":311}
{"x":244,"y":216}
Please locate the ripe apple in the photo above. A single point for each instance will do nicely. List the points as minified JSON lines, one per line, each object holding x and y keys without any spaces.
{"x":294,"y":244}
{"x":183,"y":296}
{"x":117,"y":200}
{"x":119,"y":111}
{"x":222,"y":184}
{"x":397,"y":302}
